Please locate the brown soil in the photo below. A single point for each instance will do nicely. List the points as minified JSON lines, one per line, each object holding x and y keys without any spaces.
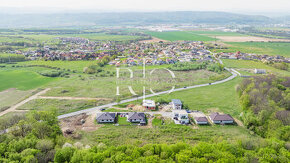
{"x":84,"y":122}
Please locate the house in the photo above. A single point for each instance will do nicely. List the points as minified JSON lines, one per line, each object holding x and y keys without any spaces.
{"x":260,"y":71}
{"x":176,"y":104}
{"x":106,"y":117}
{"x":221,"y":118}
{"x":136,"y":117}
{"x":149,"y":104}
{"x":201,"y":120}
{"x":180,"y":117}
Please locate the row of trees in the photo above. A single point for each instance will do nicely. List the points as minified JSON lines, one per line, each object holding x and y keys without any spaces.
{"x":186,"y":66}
{"x":6,"y":58}
{"x":266,"y":104}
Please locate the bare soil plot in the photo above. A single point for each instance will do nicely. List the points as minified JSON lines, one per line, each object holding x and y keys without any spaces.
{"x":248,"y":39}
{"x":70,"y":126}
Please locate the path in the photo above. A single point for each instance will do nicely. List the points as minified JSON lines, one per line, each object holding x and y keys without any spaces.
{"x":98,"y":108}
{"x":13,"y":108}
{"x":71,"y":98}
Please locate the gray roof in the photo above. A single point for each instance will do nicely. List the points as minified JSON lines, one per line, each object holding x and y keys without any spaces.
{"x":106,"y":116}
{"x":221,"y":117}
{"x":135,"y":115}
{"x":176,"y":101}
{"x":201,"y":119}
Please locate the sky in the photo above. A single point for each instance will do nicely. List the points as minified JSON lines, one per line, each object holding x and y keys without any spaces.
{"x":236,"y":6}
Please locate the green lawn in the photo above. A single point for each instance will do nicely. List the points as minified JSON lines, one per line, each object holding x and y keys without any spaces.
{"x":245,"y":64}
{"x":180,"y":35}
{"x":123,"y":121}
{"x":270,"y":48}
{"x":22,"y":80}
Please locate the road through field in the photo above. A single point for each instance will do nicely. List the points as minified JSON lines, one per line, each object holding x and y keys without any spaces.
{"x":98,"y":108}
{"x":13,"y":108}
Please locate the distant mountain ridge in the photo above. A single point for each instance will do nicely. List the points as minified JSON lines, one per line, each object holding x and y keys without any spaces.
{"x":127,"y":18}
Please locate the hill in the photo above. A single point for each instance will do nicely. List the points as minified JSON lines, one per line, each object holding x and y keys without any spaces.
{"x":127,"y":18}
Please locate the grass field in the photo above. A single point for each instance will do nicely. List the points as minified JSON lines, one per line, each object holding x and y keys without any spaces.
{"x":269,"y":48}
{"x":180,"y":35}
{"x":61,"y":106}
{"x":244,"y":64}
{"x":13,"y":96}
{"x":22,"y":80}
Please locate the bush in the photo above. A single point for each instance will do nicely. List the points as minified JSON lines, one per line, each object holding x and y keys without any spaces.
{"x":50,"y":73}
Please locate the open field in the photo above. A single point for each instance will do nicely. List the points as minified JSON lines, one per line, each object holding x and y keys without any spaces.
{"x":221,"y":98}
{"x":180,"y":35}
{"x":13,"y":96}
{"x":22,"y":80}
{"x":61,"y":106}
{"x":249,"y":39}
{"x":169,"y":134}
{"x":245,"y":64}
{"x":270,"y":48}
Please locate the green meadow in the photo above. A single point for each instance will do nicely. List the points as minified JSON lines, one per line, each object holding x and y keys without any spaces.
{"x":270,"y":48}
{"x":245,"y":64}
{"x":22,"y":80}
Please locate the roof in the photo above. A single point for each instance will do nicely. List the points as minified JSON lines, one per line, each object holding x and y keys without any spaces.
{"x":135,"y":115}
{"x":176,"y":101}
{"x":149,"y":103}
{"x":105,"y":116}
{"x":201,"y":119}
{"x":179,"y":112}
{"x":221,"y":117}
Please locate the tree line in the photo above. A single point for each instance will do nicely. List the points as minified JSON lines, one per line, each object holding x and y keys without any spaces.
{"x":266,"y":105}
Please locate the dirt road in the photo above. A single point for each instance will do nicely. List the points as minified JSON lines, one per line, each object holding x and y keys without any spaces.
{"x":71,"y":98}
{"x":13,"y":108}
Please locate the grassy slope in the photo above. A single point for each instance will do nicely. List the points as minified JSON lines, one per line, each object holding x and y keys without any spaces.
{"x":169,"y":134}
{"x":61,"y":106}
{"x":252,"y":65}
{"x":221,"y":97}
{"x":282,"y":49}
{"x":180,"y":35}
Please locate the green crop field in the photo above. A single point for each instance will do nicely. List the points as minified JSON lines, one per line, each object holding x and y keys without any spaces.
{"x":22,"y":80}
{"x":270,"y":48}
{"x":216,"y":33}
{"x":180,"y":35}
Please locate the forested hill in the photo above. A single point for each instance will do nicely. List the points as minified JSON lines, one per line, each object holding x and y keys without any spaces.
{"x":127,"y":18}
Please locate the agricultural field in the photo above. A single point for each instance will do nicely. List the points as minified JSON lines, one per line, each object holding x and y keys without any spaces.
{"x":244,"y":65}
{"x":180,"y":35}
{"x":22,"y":79}
{"x":269,"y":48}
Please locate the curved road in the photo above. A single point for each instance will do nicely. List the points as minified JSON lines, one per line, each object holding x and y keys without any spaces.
{"x":98,"y":108}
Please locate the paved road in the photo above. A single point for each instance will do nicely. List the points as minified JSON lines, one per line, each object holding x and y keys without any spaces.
{"x":98,"y":108}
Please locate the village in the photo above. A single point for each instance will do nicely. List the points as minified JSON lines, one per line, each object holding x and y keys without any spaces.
{"x":249,"y":56}
{"x":131,"y":54}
